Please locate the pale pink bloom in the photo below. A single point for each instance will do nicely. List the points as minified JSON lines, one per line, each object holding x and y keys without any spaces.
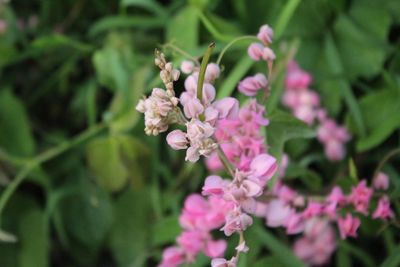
{"x":191,"y":83}
{"x":192,"y":242}
{"x":215,"y":248}
{"x":177,"y":140}
{"x":220,"y":262}
{"x":263,"y":167}
{"x":294,"y":223}
{"x":261,"y":209}
{"x":268,"y":54}
{"x":313,"y":209}
{"x":211,"y":115}
{"x":283,"y":165}
{"x":286,"y":194}
{"x":336,"y":195}
{"x":383,"y":211}
{"x":193,"y":108}
{"x":297,"y":78}
{"x":208,"y":93}
{"x":334,"y":150}
{"x":305,"y":113}
{"x":242,"y":247}
{"x":277,"y":213}
{"x":187,"y":66}
{"x":236,"y":221}
{"x":265,"y":34}
{"x":212,"y":72}
{"x":251,"y":85}
{"x":228,"y":107}
{"x":172,"y":257}
{"x":197,"y":130}
{"x":255,"y":51}
{"x":317,"y":246}
{"x":360,"y":197}
{"x":348,"y":226}
{"x":214,"y":185}
{"x":381,"y":181}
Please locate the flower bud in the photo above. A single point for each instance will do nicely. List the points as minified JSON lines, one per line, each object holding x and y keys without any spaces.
{"x":265,"y":34}
{"x":255,"y":51}
{"x":177,"y":140}
{"x":193,"y":108}
{"x":268,"y":54}
{"x":187,"y":66}
{"x":227,"y":107}
{"x":212,"y":72}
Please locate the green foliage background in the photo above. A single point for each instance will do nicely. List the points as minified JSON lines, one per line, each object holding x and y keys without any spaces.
{"x":96,"y":191}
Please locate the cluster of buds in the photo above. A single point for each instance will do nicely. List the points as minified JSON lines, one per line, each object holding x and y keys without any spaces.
{"x":160,"y":109}
{"x":305,"y":105}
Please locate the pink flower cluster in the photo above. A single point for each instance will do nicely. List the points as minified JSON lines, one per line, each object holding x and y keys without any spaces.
{"x":305,"y":105}
{"x":258,"y":51}
{"x":311,"y":215}
{"x":228,"y":207}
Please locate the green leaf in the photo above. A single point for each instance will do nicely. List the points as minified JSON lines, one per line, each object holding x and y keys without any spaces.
{"x":268,"y":261}
{"x":278,"y":249}
{"x":129,"y":237}
{"x":150,"y":5}
{"x":124,"y":102}
{"x":117,"y":22}
{"x":393,"y":260}
{"x":104,"y":159}
{"x":15,"y":131}
{"x":166,"y":230}
{"x":357,"y":252}
{"x":56,"y":41}
{"x":353,"y":170}
{"x":182,"y":29}
{"x":374,"y":107}
{"x":34,"y":239}
{"x":114,"y":63}
{"x":284,"y":127}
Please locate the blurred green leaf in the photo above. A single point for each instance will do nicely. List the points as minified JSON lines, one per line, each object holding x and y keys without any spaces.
{"x":183,"y":30}
{"x":34,"y":240}
{"x":150,"y":5}
{"x":166,"y":230}
{"x":114,"y":63}
{"x":129,"y":237}
{"x":15,"y":131}
{"x":393,"y":260}
{"x":103,"y":155}
{"x":284,"y":127}
{"x":379,"y":109}
{"x":268,"y":261}
{"x":280,"y":250}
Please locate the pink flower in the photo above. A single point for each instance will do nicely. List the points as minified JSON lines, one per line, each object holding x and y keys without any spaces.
{"x":294,"y":223}
{"x":277,"y":213}
{"x":220,"y":262}
{"x":215,"y":248}
{"x":381,"y":181}
{"x":313,"y":209}
{"x":360,"y":197}
{"x":255,"y":51}
{"x":214,"y":185}
{"x":172,"y":257}
{"x":192,"y":242}
{"x":268,"y":54}
{"x":383,"y":210}
{"x":263,"y":167}
{"x":297,"y":78}
{"x":187,"y":66}
{"x":228,"y":107}
{"x":177,"y":139}
{"x":265,"y":34}
{"x":334,"y":150}
{"x":348,"y":226}
{"x":212,"y":72}
{"x":193,"y":107}
{"x":236,"y":221}
{"x":251,"y":85}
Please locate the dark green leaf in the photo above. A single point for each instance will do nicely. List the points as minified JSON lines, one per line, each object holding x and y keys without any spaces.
{"x":183,"y":28}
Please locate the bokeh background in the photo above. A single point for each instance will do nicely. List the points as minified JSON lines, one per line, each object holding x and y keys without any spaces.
{"x":95,"y":191}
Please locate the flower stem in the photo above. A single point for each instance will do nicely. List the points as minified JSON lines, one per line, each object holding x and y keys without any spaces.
{"x":228,"y":166}
{"x":385,"y":159}
{"x":246,"y":37}
{"x":181,"y":51}
{"x":203,"y":68}
{"x":43,"y":157}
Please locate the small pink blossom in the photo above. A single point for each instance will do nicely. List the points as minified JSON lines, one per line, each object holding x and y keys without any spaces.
{"x":383,"y":211}
{"x":265,"y":34}
{"x":187,"y":66}
{"x":268,"y":54}
{"x":215,"y":248}
{"x":255,"y":51}
{"x":348,"y":226}
{"x":220,"y":262}
{"x":214,"y":185}
{"x":360,"y":197}
{"x":313,"y":209}
{"x":277,"y":213}
{"x":251,"y":85}
{"x":228,"y":107}
{"x":236,"y":221}
{"x":212,"y":72}
{"x":177,"y":140}
{"x":381,"y":181}
{"x":193,"y":108}
{"x":263,"y":167}
{"x":172,"y":257}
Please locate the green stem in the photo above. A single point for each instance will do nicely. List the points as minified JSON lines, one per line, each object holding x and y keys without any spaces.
{"x":4,"y":156}
{"x":385,"y":159}
{"x":211,"y":28}
{"x":228,"y":166}
{"x":285,"y":16}
{"x":246,"y":37}
{"x":181,"y":51}
{"x":203,"y":68}
{"x":43,"y":157}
